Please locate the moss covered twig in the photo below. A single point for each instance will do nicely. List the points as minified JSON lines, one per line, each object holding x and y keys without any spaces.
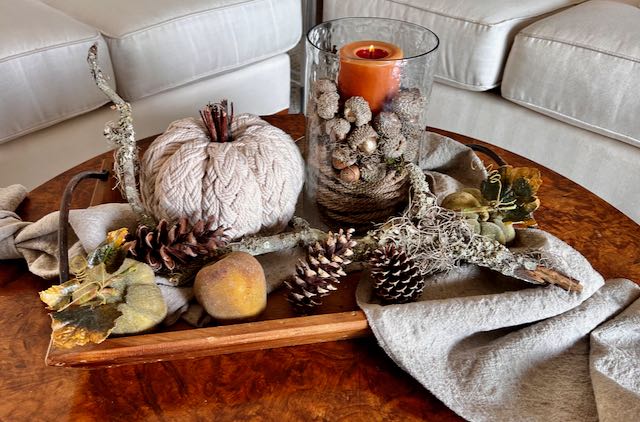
{"x":122,"y":135}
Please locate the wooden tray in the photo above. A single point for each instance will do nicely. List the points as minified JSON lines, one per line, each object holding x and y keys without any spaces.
{"x":337,"y":319}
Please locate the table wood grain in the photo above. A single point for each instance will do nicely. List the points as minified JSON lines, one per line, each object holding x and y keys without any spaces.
{"x":346,"y":380}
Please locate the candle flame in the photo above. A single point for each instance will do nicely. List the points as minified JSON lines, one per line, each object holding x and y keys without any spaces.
{"x":371,"y":49}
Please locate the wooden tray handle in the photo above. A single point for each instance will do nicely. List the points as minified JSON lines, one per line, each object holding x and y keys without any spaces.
{"x":63,"y":219}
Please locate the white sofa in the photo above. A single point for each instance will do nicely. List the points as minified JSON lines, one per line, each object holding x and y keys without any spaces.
{"x":557,"y":81}
{"x":168,"y":58}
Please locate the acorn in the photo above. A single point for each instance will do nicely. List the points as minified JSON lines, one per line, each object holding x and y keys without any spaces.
{"x":368,"y":146}
{"x":361,"y":135}
{"x":408,"y":104}
{"x":337,"y":128}
{"x":343,"y":157}
{"x":493,"y":231}
{"x":387,"y":124}
{"x":321,"y":86}
{"x":357,"y":110}
{"x":338,"y":164}
{"x":350,"y":174}
{"x":394,"y":147}
{"x":327,"y":105}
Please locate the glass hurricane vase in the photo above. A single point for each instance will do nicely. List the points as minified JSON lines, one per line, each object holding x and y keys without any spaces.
{"x":368,"y":82}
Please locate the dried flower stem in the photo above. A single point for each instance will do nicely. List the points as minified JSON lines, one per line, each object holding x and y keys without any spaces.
{"x":217,"y":120}
{"x":122,"y":135}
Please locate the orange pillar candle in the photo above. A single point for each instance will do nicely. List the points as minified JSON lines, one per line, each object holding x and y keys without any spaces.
{"x":369,"y":69}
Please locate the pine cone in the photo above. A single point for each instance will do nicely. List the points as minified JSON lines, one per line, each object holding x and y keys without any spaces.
{"x":319,"y":274}
{"x":397,"y":278}
{"x":164,"y":247}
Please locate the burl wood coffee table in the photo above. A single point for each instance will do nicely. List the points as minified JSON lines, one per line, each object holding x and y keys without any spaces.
{"x":343,"y":380}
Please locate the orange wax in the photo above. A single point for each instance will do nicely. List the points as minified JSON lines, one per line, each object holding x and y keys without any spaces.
{"x":369,"y":69}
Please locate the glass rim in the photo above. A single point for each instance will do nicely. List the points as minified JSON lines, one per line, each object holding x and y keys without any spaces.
{"x":331,"y":53}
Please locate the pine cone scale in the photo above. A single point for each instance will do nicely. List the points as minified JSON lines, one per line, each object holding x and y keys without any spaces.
{"x":397,"y":278}
{"x":320,"y":273}
{"x":166,"y":246}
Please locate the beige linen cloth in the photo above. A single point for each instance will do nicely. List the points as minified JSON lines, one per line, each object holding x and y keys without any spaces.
{"x":497,"y":349}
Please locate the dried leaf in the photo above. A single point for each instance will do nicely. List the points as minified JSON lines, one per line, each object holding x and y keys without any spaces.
{"x":130,"y":290}
{"x":79,"y":325}
{"x":511,"y":193}
{"x":525,"y":180}
{"x":59,"y":295}
{"x":111,"y":252}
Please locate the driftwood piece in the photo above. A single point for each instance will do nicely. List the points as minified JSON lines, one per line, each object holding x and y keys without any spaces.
{"x":544,"y":275}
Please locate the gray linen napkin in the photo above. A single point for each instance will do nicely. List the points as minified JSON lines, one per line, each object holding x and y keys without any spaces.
{"x":493,"y":348}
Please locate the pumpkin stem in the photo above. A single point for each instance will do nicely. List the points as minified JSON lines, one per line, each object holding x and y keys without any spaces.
{"x":217,"y":118}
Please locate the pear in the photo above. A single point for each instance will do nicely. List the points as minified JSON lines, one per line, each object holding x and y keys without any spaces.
{"x":233,"y":288}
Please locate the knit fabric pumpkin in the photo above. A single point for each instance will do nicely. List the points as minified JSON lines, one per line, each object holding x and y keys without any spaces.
{"x":249,"y":185}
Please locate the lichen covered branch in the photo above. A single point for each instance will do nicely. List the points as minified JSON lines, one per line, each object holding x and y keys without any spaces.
{"x":302,"y":234}
{"x":122,"y":136}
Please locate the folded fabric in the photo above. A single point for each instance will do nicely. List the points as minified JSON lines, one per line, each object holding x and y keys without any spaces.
{"x":487,"y":359}
{"x":37,"y":242}
{"x":495,"y":348}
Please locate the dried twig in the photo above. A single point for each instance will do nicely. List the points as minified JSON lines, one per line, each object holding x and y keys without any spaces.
{"x":126,"y":162}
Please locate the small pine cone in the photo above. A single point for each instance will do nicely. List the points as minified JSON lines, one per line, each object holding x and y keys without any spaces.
{"x":394,"y":147}
{"x":356,"y":110}
{"x":327,"y":105}
{"x":165,"y":247}
{"x":387,"y":124}
{"x":397,"y":278}
{"x":320,"y":273}
{"x":323,"y":85}
{"x":408,"y":104}
{"x":363,"y":136}
{"x":337,"y":128}
{"x":343,"y":156}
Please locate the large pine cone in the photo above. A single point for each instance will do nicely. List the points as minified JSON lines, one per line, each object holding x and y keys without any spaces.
{"x":319,"y":274}
{"x":397,"y":278}
{"x":165,"y":247}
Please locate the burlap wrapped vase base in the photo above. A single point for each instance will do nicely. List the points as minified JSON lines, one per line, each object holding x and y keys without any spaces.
{"x":498,"y":349}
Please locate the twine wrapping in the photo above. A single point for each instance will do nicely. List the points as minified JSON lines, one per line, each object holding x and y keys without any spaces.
{"x":362,"y":203}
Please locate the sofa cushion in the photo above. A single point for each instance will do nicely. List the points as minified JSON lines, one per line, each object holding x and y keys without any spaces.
{"x":156,"y":45}
{"x":581,"y":66}
{"x":45,"y":77}
{"x":475,"y":36}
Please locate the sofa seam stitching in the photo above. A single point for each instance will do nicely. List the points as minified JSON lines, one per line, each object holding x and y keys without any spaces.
{"x":578,"y":45}
{"x":488,"y":25}
{"x":97,"y":36}
{"x":538,"y":108}
{"x":178,"y":18}
{"x":485,"y":87}
{"x":49,"y":123}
